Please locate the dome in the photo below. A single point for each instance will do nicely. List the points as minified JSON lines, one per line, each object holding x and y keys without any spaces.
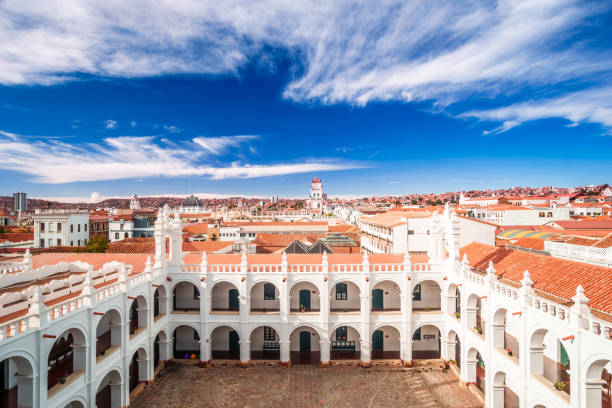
{"x":191,"y":201}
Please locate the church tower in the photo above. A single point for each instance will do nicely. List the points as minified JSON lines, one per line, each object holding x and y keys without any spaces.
{"x":315,"y":201}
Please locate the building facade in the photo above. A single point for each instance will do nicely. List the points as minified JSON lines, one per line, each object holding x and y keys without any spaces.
{"x":316,"y":200}
{"x":61,"y":228}
{"x":97,"y":335}
{"x":20,"y":202}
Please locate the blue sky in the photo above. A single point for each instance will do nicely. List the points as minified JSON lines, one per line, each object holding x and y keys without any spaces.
{"x":237,"y":98}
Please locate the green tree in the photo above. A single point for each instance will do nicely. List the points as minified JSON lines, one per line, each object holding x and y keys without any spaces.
{"x":98,"y":243}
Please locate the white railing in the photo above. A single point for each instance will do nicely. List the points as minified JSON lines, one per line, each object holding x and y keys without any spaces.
{"x":14,"y":327}
{"x":62,"y":309}
{"x":551,"y":308}
{"x":305,"y":268}
{"x":580,"y":253}
{"x":264,"y":268}
{"x":107,"y":291}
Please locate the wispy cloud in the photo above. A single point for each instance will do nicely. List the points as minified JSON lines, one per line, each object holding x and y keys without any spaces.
{"x":591,"y":106}
{"x":136,"y":157}
{"x":172,"y":129}
{"x":110,"y":124}
{"x":345,"y":51}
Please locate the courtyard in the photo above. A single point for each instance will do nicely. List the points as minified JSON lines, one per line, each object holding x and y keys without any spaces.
{"x":300,"y":386}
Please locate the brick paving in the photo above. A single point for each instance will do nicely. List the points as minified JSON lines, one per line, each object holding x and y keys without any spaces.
{"x":305,"y":386}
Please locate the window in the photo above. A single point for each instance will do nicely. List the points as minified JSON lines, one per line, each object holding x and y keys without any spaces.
{"x":85,"y":226}
{"x":79,"y":242}
{"x":196,"y":336}
{"x":42,"y":242}
{"x":341,"y":291}
{"x":116,"y":235}
{"x":417,"y":334}
{"x":410,"y":232}
{"x":269,"y":334}
{"x":71,"y":243}
{"x":59,"y":227}
{"x":59,"y":242}
{"x":85,"y":242}
{"x":71,"y":228}
{"x":42,"y":227}
{"x":126,"y":235}
{"x":120,"y":226}
{"x":269,"y":291}
{"x":196,"y":293}
{"x":341,"y":333}
{"x":78,"y":227}
{"x":563,"y":357}
{"x":416,"y":293}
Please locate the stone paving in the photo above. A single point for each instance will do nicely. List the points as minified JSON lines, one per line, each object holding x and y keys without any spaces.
{"x":303,"y":386}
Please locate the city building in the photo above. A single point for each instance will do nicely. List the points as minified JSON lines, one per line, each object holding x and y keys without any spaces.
{"x":99,"y":224}
{"x":60,"y":228}
{"x":520,"y":328}
{"x":316,"y":201}
{"x":134,"y":203}
{"x":20,"y":202}
{"x":231,"y":231}
{"x":191,"y":205}
{"x":508,"y":214}
{"x":132,"y":225}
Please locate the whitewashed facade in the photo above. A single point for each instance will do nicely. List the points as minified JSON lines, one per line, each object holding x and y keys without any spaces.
{"x":200,"y":320}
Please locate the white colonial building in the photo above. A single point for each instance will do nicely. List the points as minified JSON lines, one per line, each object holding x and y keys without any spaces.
{"x":60,"y":228}
{"x":84,"y":330}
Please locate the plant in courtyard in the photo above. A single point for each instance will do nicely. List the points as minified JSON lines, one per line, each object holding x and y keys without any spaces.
{"x":478,"y":329}
{"x":345,"y":309}
{"x":509,"y":350}
{"x":265,"y":310}
{"x":302,"y":308}
{"x":560,"y":385}
{"x":452,"y":362}
{"x":457,"y":315}
{"x":62,"y":380}
{"x":427,"y":308}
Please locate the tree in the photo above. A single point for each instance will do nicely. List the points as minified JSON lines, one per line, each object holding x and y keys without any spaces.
{"x":98,"y":243}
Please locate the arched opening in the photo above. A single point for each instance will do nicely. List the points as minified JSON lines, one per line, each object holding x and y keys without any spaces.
{"x":16,"y":383}
{"x":426,"y":342}
{"x":305,"y":346}
{"x":186,"y":343}
{"x":75,"y":404}
{"x":109,"y":391}
{"x":503,"y":326}
{"x":265,"y":298}
{"x":454,"y":348}
{"x":453,"y":298}
{"x":67,"y":359}
{"x":108,"y":334}
{"x":549,"y":359}
{"x":386,"y":297}
{"x":185,"y":298}
{"x":426,"y":296}
{"x":265,"y":344}
{"x":304,"y":298}
{"x":225,"y":298}
{"x":225,"y":343}
{"x":345,"y":344}
{"x":598,"y":382}
{"x":476,"y":369}
{"x":345,"y":298}
{"x":386,"y":343}
{"x":160,"y":306}
{"x":138,"y":316}
{"x":503,"y":396}
{"x":473,"y":314}
{"x":138,"y":369}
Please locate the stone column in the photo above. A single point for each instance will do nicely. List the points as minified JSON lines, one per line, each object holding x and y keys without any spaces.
{"x":470,"y":371}
{"x":324,"y":299}
{"x":245,"y":351}
{"x":325,"y":348}
{"x":498,"y":395}
{"x":406,"y":306}
{"x":285,"y":354}
{"x":536,"y":356}
{"x":592,"y":394}
{"x":451,"y":349}
{"x":499,"y":332}
{"x":143,"y":369}
{"x":25,"y":390}
{"x":245,"y":310}
{"x":165,"y":350}
{"x":80,"y":357}
{"x":117,"y":391}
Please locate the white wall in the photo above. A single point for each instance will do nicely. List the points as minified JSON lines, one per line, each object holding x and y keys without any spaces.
{"x":184,"y":296}
{"x":220,"y":338}
{"x":430,"y":296}
{"x":391,"y":341}
{"x":220,"y":295}
{"x":315,"y":342}
{"x":426,"y":345}
{"x":474,"y":231}
{"x":185,"y":339}
{"x":257,"y":298}
{"x":353,"y":300}
{"x":391,"y":295}
{"x":419,"y":241}
{"x":315,"y":301}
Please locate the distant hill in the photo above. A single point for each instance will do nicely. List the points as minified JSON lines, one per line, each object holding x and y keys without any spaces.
{"x":145,"y":202}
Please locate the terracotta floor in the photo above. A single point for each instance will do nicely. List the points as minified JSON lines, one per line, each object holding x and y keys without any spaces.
{"x":305,"y":386}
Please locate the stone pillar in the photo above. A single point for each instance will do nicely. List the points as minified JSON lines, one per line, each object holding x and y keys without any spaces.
{"x":205,"y":348}
{"x":143,"y":316}
{"x":245,"y":350}
{"x":165,"y":304}
{"x":470,"y":317}
{"x":406,"y":307}
{"x":116,"y":394}
{"x":325,"y":348}
{"x":451,"y":304}
{"x":366,"y":293}
{"x":25,"y":390}
{"x":143,"y":369}
{"x":165,"y":350}
{"x":592,"y":395}
{"x":536,"y":356}
{"x":499,"y":333}
{"x":470,"y":371}
{"x":451,"y":349}
{"x":116,"y":334}
{"x":498,"y":395}
{"x":80,"y":357}
{"x":324,"y":299}
{"x":285,"y":353}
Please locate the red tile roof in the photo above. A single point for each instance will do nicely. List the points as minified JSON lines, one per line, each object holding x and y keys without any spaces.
{"x":196,"y":229}
{"x":553,"y":276}
{"x":205,"y":246}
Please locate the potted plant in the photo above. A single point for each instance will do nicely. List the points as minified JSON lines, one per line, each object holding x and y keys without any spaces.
{"x":302,"y":308}
{"x":509,"y":350}
{"x":451,"y":362}
{"x":478,"y":329}
{"x":132,"y":330}
{"x":345,"y":309}
{"x":457,"y":315}
{"x":102,"y":352}
{"x":427,"y":308}
{"x":265,"y":310}
{"x":62,"y":380}
{"x":560,"y":385}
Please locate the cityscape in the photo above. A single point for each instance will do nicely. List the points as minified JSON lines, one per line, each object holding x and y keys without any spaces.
{"x":311,"y":204}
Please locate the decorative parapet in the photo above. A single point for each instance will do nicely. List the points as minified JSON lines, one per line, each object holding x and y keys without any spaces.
{"x":580,"y":253}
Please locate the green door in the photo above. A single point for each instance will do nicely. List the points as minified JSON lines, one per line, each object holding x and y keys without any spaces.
{"x":233,"y":299}
{"x":233,"y":342}
{"x":304,"y":341}
{"x":377,"y":299}
{"x":377,"y":340}
{"x":305,"y":298}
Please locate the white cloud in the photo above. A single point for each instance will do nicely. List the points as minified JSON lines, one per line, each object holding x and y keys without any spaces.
{"x":134,"y":157}
{"x":172,"y":129}
{"x":95,"y":197}
{"x":590,"y":106}
{"x":221,"y":144}
{"x":343,"y":51}
{"x":110,"y":124}
{"x":133,"y":124}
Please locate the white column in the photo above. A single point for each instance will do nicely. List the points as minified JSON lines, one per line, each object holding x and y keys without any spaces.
{"x":165,"y":350}
{"x":498,"y":395}
{"x":499,"y":331}
{"x":25,"y":390}
{"x":592,"y":395}
{"x":537,"y":359}
{"x":116,"y":394}
{"x":324,"y":300}
{"x":245,"y":350}
{"x":143,"y":369}
{"x":285,"y":355}
{"x":245,"y":309}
